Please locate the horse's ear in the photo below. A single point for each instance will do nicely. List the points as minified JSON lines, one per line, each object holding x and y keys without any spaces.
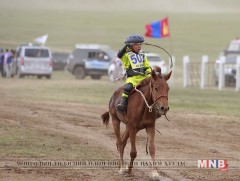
{"x":154,"y":75}
{"x":157,"y":69}
{"x":167,"y":76}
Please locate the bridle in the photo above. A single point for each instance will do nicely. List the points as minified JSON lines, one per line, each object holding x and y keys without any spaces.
{"x":153,"y":96}
{"x":150,"y":107}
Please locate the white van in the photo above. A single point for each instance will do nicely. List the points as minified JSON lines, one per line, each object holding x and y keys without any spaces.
{"x":33,"y":60}
{"x":231,"y":53}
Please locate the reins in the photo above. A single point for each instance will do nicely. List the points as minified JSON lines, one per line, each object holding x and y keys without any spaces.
{"x":153,"y":97}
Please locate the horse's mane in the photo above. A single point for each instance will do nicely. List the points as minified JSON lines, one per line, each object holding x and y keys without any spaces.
{"x":146,"y":81}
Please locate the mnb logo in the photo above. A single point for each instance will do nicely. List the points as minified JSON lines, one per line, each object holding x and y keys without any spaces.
{"x":222,"y":164}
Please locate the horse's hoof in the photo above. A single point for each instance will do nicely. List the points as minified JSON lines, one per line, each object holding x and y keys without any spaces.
{"x":155,"y":176}
{"x":122,"y":171}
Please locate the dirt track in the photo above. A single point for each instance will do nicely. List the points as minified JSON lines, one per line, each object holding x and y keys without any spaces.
{"x":188,"y":137}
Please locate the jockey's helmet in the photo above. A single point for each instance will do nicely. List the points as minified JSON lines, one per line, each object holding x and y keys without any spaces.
{"x":134,"y":39}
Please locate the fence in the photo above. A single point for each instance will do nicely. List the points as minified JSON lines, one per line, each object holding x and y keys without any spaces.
{"x":206,"y":74}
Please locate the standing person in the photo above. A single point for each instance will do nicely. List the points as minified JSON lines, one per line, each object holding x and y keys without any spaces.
{"x":1,"y":60}
{"x":7,"y":61}
{"x":10,"y":62}
{"x":136,"y":65}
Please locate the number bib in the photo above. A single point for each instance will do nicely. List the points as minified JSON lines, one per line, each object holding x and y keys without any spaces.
{"x":136,"y":60}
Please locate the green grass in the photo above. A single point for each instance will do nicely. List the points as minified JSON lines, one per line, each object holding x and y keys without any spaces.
{"x":205,"y":101}
{"x":23,"y":141}
{"x":65,"y":88}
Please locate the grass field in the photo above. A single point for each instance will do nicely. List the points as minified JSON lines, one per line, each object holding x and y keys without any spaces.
{"x":65,"y":88}
{"x":197,"y":28}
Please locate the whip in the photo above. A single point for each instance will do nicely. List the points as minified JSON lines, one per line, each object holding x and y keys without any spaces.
{"x":171,"y":65}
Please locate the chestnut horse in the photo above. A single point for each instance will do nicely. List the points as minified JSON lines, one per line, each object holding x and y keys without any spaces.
{"x":144,"y":107}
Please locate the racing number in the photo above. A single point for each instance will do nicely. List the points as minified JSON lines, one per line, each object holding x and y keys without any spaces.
{"x":136,"y":58}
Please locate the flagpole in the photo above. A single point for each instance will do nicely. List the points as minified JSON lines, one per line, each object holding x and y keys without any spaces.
{"x":170,"y":38}
{"x":172,"y":67}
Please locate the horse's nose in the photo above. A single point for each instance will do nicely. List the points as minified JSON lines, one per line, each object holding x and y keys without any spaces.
{"x":165,"y":109}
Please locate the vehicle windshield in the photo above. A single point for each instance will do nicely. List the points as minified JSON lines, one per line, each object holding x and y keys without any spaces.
{"x":112,"y":54}
{"x":231,"y":59}
{"x":154,"y":59}
{"x":234,"y":46}
{"x":33,"y":52}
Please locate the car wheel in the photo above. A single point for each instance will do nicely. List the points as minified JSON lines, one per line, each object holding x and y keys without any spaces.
{"x":96,"y":77}
{"x":48,"y":76}
{"x":39,"y":76}
{"x":79,"y":72}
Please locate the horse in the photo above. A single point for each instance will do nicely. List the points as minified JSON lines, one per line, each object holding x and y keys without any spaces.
{"x":145,"y":105}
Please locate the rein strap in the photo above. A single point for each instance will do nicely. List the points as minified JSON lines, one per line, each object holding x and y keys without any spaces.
{"x":149,"y":107}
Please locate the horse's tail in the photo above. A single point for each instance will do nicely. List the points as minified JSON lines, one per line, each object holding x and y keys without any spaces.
{"x":105,"y":117}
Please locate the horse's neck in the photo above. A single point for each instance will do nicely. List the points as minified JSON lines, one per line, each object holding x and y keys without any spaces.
{"x":147,"y":93}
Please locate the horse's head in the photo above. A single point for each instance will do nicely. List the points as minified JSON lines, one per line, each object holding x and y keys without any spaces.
{"x":159,"y":89}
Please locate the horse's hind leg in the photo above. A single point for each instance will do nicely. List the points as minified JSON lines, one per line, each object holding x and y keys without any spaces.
{"x":125,"y":137}
{"x":133,"y":152}
{"x":116,"y":127}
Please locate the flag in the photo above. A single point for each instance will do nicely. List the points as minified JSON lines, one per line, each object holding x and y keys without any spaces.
{"x":158,"y":29}
{"x":41,"y":39}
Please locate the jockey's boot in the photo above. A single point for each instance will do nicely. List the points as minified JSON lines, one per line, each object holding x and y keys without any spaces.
{"x":122,"y":106}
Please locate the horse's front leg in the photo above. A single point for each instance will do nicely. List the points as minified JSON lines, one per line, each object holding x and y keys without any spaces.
{"x":133,"y":152}
{"x":151,"y":135}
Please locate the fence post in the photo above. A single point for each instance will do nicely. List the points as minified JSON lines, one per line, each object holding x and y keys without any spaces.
{"x":171,"y":81}
{"x":204,"y":71}
{"x":238,"y":74}
{"x":185,"y":71}
{"x":221,"y":75}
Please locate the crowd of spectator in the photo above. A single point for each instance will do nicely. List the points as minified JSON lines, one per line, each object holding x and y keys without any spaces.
{"x":6,"y":58}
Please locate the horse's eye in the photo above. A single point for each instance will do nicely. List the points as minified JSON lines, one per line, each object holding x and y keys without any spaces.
{"x":156,"y":89}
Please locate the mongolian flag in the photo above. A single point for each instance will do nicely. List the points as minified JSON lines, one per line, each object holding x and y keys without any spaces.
{"x":158,"y":29}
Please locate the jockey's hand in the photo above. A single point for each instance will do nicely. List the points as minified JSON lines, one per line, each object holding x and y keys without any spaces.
{"x":148,"y":71}
{"x":128,"y":49}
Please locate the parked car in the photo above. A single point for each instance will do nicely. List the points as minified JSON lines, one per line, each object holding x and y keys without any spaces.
{"x":90,"y":59}
{"x":59,"y":60}
{"x":231,"y":53}
{"x":154,"y":60}
{"x":32,"y":60}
